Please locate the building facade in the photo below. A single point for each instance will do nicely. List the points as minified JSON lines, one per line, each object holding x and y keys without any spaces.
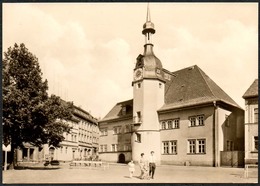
{"x":115,"y":134}
{"x":183,"y":116}
{"x":251,"y":123}
{"x":80,"y":143}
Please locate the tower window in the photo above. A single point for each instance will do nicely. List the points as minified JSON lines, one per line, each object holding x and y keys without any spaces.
{"x":160,"y":85}
{"x":138,"y":117}
{"x":138,"y":137}
{"x":138,"y":85}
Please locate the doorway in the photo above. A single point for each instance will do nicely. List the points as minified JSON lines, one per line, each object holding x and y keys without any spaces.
{"x":121,"y":158}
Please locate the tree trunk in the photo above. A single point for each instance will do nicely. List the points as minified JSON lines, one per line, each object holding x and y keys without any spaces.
{"x":13,"y":161}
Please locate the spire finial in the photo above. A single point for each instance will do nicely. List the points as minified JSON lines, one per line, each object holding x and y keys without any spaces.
{"x":148,"y":17}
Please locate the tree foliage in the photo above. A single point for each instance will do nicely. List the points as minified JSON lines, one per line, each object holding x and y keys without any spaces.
{"x":29,"y":114}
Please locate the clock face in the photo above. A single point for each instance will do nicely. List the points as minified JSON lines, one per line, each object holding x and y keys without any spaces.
{"x":138,"y":74}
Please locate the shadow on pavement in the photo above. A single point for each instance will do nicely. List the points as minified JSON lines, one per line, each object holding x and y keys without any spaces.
{"x":36,"y":168}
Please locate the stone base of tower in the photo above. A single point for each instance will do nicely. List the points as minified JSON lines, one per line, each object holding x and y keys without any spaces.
{"x":145,"y":142}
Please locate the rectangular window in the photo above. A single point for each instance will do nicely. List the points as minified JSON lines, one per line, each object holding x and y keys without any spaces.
{"x":192,"y":121}
{"x":197,"y":146}
{"x":173,"y":147}
{"x":169,"y":147}
{"x":192,"y":146}
{"x":103,"y":148}
{"x":176,"y":123}
{"x":256,"y":143}
{"x":103,"y":132}
{"x":200,"y":120}
{"x":138,"y":85}
{"x":256,"y":115}
{"x":138,"y":116}
{"x":138,"y":137}
{"x":117,"y":130}
{"x":201,"y":146}
{"x":196,"y":121}
{"x":169,"y":124}
{"x":114,"y":147}
{"x":165,"y":147}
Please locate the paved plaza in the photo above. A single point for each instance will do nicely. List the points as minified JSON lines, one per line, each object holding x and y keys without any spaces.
{"x":119,"y":174}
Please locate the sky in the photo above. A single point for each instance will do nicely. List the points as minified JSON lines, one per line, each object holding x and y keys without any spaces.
{"x":87,"y":51}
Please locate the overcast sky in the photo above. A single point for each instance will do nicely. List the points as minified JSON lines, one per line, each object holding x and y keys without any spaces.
{"x":87,"y":51}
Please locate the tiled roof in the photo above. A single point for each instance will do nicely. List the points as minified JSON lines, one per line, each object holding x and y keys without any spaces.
{"x":191,"y":86}
{"x":117,"y":111}
{"x":188,"y":87}
{"x":252,"y":91}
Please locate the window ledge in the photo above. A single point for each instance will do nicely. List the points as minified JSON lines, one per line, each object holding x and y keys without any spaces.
{"x":170,"y":154}
{"x":196,"y":126}
{"x":170,"y":128}
{"x":196,"y":153}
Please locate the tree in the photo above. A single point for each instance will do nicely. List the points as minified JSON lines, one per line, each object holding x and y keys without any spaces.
{"x":29,"y":114}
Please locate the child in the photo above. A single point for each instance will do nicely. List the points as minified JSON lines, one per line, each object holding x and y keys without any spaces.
{"x":131,"y":166}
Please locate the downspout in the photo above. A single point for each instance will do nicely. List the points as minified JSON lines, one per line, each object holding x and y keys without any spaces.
{"x":215,"y":136}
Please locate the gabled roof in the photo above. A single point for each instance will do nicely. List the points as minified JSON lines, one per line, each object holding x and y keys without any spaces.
{"x":191,"y":86}
{"x":252,"y":91}
{"x":117,"y":111}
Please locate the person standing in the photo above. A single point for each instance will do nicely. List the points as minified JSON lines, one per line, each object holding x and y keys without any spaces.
{"x":142,"y":166}
{"x":152,"y":164}
{"x":131,"y":166}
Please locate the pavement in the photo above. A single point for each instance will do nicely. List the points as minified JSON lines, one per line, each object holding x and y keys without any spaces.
{"x":118,"y":173}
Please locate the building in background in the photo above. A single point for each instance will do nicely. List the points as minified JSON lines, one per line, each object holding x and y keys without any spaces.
{"x":80,"y":143}
{"x":183,"y":116}
{"x":251,"y":123}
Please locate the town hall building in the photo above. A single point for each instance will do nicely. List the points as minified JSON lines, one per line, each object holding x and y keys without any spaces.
{"x":183,"y":116}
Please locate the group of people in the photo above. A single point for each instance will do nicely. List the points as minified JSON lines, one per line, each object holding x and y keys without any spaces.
{"x":147,"y":166}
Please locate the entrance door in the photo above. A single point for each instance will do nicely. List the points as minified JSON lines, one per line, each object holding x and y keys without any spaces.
{"x":121,"y":158}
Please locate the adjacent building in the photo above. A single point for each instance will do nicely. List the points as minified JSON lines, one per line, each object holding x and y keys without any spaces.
{"x":251,"y":123}
{"x":183,"y":116}
{"x":80,"y":143}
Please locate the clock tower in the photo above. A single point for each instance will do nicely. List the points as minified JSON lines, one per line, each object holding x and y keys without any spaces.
{"x":148,"y":92}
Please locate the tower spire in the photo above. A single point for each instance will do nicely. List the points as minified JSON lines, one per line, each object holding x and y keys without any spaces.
{"x":148,"y":16}
{"x":148,"y":28}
